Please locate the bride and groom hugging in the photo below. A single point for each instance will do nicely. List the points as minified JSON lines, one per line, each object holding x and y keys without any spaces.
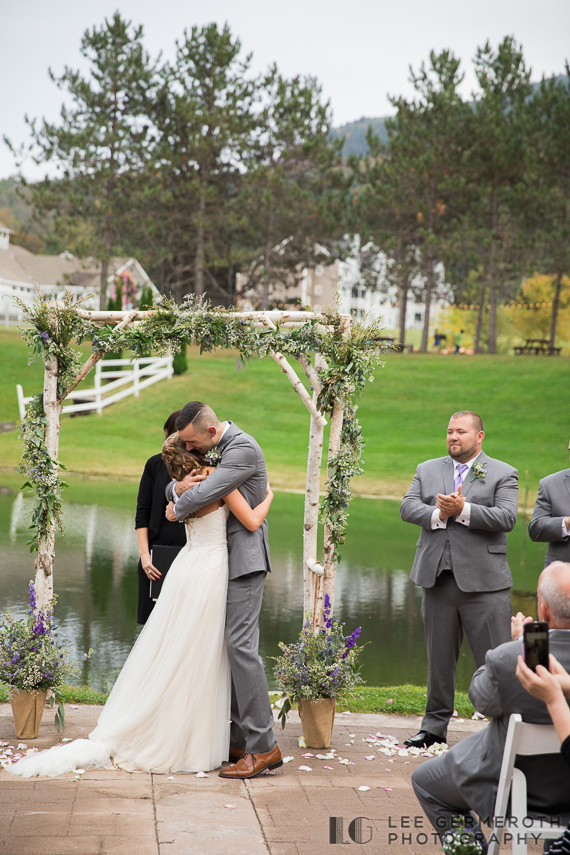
{"x":193,"y":693}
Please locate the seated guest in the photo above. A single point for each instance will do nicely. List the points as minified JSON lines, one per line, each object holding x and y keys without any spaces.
{"x":153,"y":529}
{"x":550,"y":521}
{"x":465,"y":779}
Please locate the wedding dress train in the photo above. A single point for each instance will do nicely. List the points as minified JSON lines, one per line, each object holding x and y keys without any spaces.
{"x":169,"y":710}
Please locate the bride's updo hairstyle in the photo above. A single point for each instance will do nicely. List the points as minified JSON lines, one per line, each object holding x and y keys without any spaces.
{"x":178,"y":460}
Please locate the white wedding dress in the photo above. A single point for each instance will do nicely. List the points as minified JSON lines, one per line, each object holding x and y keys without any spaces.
{"x":169,"y":710}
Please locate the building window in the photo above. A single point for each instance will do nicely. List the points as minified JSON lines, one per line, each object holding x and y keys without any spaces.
{"x":319,"y":270}
{"x":418,"y":318}
{"x":318,"y":290}
{"x":309,"y":281}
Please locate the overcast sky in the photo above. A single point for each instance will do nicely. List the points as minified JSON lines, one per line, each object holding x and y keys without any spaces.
{"x":360,"y":50}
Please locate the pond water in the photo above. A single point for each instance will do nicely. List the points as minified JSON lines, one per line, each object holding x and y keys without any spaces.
{"x":96,"y":580}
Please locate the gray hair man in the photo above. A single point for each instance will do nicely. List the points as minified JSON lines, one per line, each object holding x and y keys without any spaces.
{"x":464,"y":781}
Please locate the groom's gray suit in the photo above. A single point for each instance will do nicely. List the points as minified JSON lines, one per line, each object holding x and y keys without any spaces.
{"x":467,"y":776}
{"x":552,"y":507}
{"x":242,"y":465}
{"x":473,"y":594}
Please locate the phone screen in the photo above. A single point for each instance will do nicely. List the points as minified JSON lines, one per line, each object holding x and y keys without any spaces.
{"x":536,"y":645}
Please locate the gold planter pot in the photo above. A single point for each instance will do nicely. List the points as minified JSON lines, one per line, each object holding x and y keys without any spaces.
{"x":27,"y":709}
{"x":317,"y":718}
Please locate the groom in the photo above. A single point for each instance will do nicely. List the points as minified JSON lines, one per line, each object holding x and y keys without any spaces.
{"x":252,"y":743}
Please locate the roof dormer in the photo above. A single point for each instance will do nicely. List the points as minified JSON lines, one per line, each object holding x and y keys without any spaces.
{"x":5,"y":233}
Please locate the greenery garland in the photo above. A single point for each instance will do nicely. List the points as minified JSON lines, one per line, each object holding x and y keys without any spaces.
{"x":351,"y":355}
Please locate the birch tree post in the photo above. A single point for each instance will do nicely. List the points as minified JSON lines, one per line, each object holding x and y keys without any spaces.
{"x":46,"y":545}
{"x":312,"y":491}
{"x":344,"y":358}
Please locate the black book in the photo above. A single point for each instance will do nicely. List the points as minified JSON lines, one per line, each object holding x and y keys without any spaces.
{"x":162,"y":558}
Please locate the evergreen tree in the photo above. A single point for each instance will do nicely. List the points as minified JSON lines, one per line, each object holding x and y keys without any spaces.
{"x":204,"y":118}
{"x":495,"y":168}
{"x":99,"y":145}
{"x":549,"y":184}
{"x":289,"y":210}
{"x":412,"y":189}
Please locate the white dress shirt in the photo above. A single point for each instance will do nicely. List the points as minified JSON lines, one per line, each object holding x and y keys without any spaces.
{"x":465,"y":517}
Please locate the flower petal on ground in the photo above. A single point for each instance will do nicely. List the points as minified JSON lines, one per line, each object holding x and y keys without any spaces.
{"x":304,"y":769}
{"x":308,"y":754}
{"x":364,"y":789}
{"x":288,"y":759}
{"x":370,"y":757}
{"x":302,"y":743}
{"x":201,"y":775}
{"x":230,"y":806}
{"x":330,"y":768}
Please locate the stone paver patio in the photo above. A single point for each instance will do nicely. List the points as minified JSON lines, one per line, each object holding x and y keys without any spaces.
{"x":285,"y":813}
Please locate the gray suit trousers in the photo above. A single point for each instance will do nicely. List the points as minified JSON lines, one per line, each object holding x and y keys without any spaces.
{"x":252,"y":718}
{"x":436,"y":792}
{"x":485,"y":616}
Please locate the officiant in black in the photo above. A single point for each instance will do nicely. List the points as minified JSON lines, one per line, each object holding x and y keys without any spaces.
{"x":153,"y":529}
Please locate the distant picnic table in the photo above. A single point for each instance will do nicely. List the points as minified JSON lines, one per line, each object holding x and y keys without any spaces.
{"x":538,"y":347}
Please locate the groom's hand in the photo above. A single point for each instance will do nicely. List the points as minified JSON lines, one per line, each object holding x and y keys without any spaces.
{"x":188,"y":482}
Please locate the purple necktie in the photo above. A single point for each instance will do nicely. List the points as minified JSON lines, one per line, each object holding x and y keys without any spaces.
{"x":459,"y":473}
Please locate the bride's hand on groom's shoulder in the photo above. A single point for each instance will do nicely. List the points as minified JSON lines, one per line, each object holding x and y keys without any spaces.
{"x":188,"y":482}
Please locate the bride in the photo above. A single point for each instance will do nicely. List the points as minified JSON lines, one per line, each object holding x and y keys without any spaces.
{"x":169,"y":710}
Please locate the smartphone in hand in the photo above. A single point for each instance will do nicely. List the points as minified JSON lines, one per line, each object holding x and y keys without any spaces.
{"x":535,"y":644}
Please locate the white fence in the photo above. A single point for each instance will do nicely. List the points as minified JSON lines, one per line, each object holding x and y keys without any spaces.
{"x":139,"y":374}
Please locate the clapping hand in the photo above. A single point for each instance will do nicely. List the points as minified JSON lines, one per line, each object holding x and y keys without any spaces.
{"x":450,"y":505}
{"x":517,"y":623}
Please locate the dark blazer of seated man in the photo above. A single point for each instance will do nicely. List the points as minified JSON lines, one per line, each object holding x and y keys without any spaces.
{"x":466,"y":778}
{"x":550,"y":521}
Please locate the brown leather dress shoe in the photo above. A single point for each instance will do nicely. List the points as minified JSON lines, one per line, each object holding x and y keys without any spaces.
{"x":251,"y":765}
{"x":236,"y":754}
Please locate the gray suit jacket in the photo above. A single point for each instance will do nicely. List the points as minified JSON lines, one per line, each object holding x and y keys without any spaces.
{"x":552,"y":506}
{"x":242,"y":465}
{"x":475,"y":762}
{"x":478,"y":551}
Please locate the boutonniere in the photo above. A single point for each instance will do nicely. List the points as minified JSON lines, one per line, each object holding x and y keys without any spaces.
{"x":479,"y":471}
{"x":213,"y":456}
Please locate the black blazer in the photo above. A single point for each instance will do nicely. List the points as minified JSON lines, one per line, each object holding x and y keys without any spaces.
{"x":151,"y":505}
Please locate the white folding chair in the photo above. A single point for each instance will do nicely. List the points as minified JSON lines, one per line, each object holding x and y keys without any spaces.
{"x":525,"y":739}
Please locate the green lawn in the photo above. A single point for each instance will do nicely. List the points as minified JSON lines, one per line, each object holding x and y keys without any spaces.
{"x":397,"y":700}
{"x":404,"y":414}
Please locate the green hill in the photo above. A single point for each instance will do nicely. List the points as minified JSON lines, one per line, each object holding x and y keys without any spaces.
{"x":404,"y":415}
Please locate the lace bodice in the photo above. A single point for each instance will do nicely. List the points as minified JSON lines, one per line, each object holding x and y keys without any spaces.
{"x":209,"y":530}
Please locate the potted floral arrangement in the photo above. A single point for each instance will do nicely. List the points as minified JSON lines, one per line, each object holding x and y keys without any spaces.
{"x":33,"y":660}
{"x":314,"y":672}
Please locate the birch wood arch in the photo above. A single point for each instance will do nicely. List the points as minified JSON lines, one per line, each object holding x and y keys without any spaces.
{"x":55,"y":324}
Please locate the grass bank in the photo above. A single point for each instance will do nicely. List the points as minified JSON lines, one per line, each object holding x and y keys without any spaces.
{"x":397,"y":700}
{"x":404,"y":414}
